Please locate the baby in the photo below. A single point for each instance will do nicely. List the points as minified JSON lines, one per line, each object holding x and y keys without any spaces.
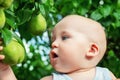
{"x":78,"y":45}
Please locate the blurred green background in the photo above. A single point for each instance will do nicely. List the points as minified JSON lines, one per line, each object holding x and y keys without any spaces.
{"x":36,"y":64}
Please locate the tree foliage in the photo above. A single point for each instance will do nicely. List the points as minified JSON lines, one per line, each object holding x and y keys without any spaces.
{"x":36,"y":64}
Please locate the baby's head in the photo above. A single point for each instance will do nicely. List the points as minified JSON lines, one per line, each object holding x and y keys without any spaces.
{"x":78,"y":43}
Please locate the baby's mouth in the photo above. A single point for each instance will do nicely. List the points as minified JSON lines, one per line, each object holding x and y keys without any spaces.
{"x":53,"y":58}
{"x":54,"y":55}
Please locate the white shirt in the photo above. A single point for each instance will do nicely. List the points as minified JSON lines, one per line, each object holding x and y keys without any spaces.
{"x":101,"y":74}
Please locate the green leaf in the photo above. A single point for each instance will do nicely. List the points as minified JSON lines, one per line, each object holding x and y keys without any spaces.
{"x":116,"y":14}
{"x":51,"y":2}
{"x":82,"y":11}
{"x":6,"y":35}
{"x":44,"y":1}
{"x":17,"y":38}
{"x":96,"y":15}
{"x":111,"y":53}
{"x":9,"y":13}
{"x":42,"y":10}
{"x":10,"y":18}
{"x":118,"y":3}
{"x":11,"y":23}
{"x":23,"y":16}
{"x":106,"y":10}
{"x":24,"y":32}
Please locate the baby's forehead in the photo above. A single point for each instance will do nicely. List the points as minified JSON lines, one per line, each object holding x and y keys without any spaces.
{"x":79,"y":23}
{"x":76,"y":23}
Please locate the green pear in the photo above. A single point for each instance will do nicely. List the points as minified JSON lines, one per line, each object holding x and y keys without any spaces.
{"x":1,"y":1}
{"x":37,"y":24}
{"x":6,"y":3}
{"x":118,"y":3}
{"x":2,"y":18}
{"x":14,"y":53}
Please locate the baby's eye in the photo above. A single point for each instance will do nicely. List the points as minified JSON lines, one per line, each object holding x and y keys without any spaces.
{"x":64,"y":37}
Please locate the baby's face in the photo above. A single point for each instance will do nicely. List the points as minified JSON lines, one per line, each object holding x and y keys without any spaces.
{"x":68,"y":48}
{"x":78,"y":43}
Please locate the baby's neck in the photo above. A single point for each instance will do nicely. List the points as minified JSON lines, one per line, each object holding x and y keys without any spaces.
{"x":83,"y":74}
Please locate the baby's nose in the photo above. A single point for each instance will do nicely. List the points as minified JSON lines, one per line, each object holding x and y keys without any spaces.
{"x":54,"y":44}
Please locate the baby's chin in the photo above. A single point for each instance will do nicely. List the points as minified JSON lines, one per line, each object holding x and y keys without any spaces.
{"x":65,"y":71}
{"x":72,"y":70}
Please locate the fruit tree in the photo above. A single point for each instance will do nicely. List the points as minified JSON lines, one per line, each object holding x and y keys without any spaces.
{"x":30,"y":22}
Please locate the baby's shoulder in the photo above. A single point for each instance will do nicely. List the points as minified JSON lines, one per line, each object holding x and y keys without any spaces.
{"x":104,"y":74}
{"x":47,"y":78}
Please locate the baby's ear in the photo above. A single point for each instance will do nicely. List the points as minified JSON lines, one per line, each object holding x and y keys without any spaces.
{"x":93,"y":50}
